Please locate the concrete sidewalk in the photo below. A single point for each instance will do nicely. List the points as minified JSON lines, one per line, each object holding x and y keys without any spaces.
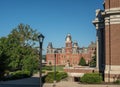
{"x":76,"y":84}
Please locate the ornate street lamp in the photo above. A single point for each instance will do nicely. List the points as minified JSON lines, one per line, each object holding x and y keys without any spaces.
{"x":55,"y":52}
{"x":40,"y":38}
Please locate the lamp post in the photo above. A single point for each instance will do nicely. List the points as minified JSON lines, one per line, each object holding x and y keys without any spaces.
{"x":40,"y":38}
{"x":54,"y":84}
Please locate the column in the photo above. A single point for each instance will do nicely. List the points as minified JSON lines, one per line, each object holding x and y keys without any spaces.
{"x":97,"y":51}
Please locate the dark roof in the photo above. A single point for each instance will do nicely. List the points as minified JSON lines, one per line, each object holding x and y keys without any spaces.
{"x":92,"y":45}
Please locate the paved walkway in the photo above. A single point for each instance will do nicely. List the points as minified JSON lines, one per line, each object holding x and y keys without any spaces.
{"x":26,"y":81}
{"x":34,"y":82}
{"x":75,"y":84}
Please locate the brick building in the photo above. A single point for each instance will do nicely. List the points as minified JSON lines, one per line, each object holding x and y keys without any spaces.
{"x":107,"y":23}
{"x":71,"y":53}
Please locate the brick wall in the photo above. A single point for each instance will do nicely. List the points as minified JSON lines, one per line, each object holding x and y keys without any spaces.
{"x":79,"y":70}
{"x":112,"y":39}
{"x":115,"y":44}
{"x":113,"y":4}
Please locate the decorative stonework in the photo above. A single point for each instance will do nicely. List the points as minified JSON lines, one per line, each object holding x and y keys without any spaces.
{"x":112,"y":9}
{"x":107,"y":23}
{"x":112,"y":19}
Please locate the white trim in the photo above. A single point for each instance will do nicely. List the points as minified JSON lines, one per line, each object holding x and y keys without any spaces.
{"x":109,"y":79}
{"x":112,"y":67}
{"x":115,"y":22}
{"x":112,"y":9}
{"x":113,"y":12}
{"x":76,"y":74}
{"x":113,"y":19}
{"x":115,"y":16}
{"x":112,"y":72}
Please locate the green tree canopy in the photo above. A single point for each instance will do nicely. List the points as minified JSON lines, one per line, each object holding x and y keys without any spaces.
{"x":82,"y":61}
{"x":93,"y":61}
{"x":3,"y":56}
{"x":19,"y":48}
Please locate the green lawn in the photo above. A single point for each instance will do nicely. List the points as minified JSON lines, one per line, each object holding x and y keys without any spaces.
{"x":58,"y":68}
{"x":51,"y":68}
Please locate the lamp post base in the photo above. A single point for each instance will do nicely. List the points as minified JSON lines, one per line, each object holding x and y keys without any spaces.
{"x":54,"y":84}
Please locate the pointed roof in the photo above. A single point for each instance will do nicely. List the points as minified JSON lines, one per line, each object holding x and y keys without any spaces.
{"x":92,"y":45}
{"x":50,"y":45}
{"x":75,"y":44}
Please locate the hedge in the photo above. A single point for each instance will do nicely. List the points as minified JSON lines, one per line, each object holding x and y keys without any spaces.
{"x":59,"y":76}
{"x":18,"y":75}
{"x":49,"y":68}
{"x":91,"y":78}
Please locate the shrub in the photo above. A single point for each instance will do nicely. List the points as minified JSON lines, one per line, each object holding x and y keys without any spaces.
{"x":117,"y":81}
{"x":63,"y":75}
{"x":49,"y":68}
{"x":43,"y":71}
{"x":91,"y":78}
{"x":92,"y":63}
{"x":59,"y":75}
{"x":18,"y":75}
{"x":50,"y":77}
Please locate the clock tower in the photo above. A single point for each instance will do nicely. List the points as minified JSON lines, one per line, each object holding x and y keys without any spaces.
{"x":68,"y":43}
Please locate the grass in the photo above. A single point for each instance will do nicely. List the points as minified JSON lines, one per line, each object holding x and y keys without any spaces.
{"x":58,"y":68}
{"x":51,"y":68}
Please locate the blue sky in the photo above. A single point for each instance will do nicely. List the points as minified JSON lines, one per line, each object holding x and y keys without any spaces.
{"x":54,"y":18}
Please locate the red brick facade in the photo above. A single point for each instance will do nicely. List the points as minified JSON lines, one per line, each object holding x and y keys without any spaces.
{"x":112,"y":4}
{"x":112,"y":39}
{"x":71,"y":53}
{"x":107,"y":23}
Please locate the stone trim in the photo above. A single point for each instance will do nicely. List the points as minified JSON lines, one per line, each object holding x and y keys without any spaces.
{"x":113,"y":67}
{"x":112,"y":72}
{"x":109,"y":79}
{"x":75,"y":74}
{"x":112,"y":12}
{"x":113,"y":19}
{"x":112,"y":75}
{"x":114,"y":16}
{"x":112,"y":9}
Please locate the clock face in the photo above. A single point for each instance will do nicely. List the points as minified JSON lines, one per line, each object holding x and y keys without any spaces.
{"x":68,"y":45}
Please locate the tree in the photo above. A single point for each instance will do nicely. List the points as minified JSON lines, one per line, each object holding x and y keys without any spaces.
{"x":23,"y":51}
{"x":93,"y":61}
{"x":50,"y":63}
{"x":19,"y":49}
{"x":3,"y":57}
{"x":82,"y":62}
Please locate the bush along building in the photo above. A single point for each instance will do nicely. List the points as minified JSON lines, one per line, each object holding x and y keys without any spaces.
{"x":69,"y":55}
{"x":107,"y":23}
